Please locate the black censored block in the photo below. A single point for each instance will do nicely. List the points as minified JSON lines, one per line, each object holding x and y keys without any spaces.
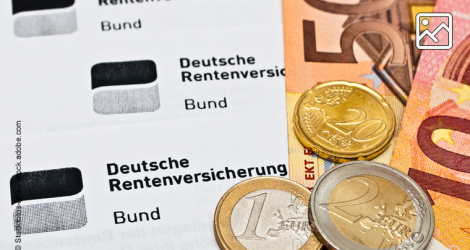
{"x":123,"y":73}
{"x":45,"y":184}
{"x":29,"y":5}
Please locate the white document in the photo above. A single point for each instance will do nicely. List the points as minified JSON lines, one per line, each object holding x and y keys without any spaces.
{"x":62,"y":72}
{"x":189,"y":165}
{"x":78,"y":18}
{"x":162,"y":102}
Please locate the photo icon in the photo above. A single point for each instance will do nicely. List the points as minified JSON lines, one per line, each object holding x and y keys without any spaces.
{"x":440,"y":38}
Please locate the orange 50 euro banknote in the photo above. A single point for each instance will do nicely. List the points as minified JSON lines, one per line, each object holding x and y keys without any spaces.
{"x":368,"y":42}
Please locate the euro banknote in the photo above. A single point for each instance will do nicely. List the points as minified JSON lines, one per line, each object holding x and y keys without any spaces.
{"x":368,"y":42}
{"x":433,"y":144}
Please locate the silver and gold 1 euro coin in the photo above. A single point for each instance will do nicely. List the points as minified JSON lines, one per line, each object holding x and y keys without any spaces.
{"x":365,"y":205}
{"x":264,"y":213}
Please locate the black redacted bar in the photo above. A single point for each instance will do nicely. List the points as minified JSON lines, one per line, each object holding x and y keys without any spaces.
{"x":45,"y":184}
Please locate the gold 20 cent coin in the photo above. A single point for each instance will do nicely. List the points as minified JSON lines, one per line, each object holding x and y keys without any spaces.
{"x":265,"y":213}
{"x":343,"y":121}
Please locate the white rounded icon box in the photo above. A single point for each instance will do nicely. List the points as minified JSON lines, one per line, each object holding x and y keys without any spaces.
{"x":432,"y":35}
{"x":125,"y":87}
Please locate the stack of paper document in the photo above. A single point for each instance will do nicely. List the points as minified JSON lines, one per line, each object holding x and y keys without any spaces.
{"x":129,"y":119}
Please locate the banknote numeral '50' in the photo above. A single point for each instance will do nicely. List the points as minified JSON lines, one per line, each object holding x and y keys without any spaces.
{"x":352,"y":9}
{"x":371,"y":194}
{"x":347,"y":41}
{"x":353,"y":31}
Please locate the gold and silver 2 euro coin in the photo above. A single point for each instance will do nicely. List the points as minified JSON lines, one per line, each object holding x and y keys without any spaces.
{"x":265,"y":213}
{"x":367,"y":205}
{"x":343,"y":121}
